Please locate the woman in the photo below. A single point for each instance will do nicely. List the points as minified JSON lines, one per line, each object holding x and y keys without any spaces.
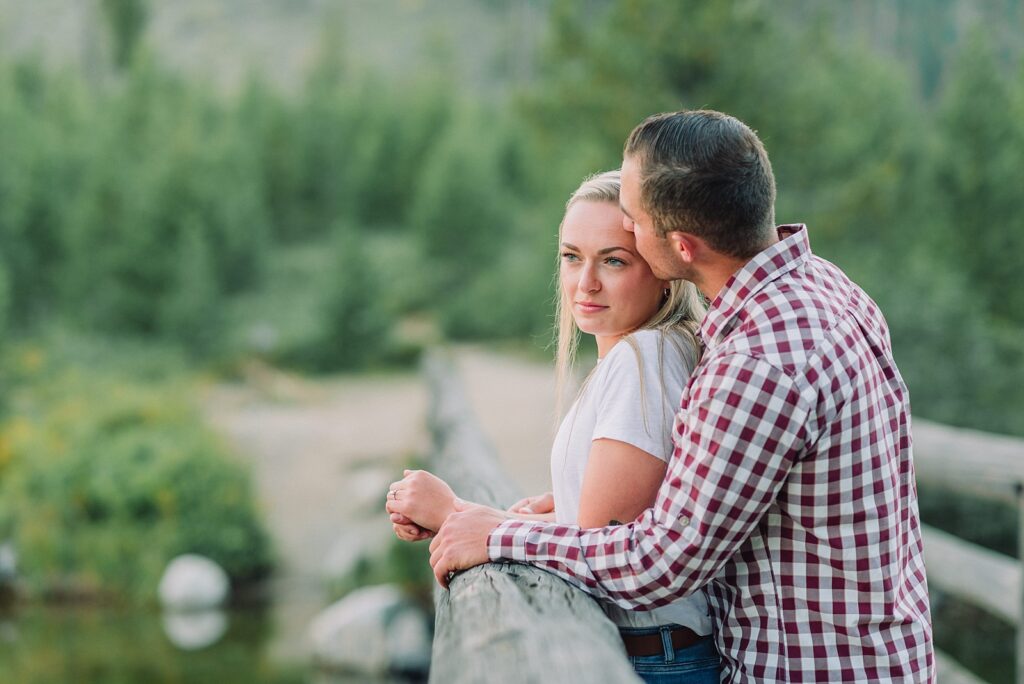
{"x":609,"y":456}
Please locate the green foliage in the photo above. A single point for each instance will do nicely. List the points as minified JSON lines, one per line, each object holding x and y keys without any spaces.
{"x":190,"y":312}
{"x":352,"y":321}
{"x":150,"y":206}
{"x":106,"y":474}
{"x":917,"y":203}
{"x":984,"y":646}
{"x":41,"y":116}
{"x":511,"y":299}
{"x":982,"y":143}
{"x":991,"y":524}
{"x":486,"y":252}
{"x":5,"y":302}
{"x":170,"y":184}
{"x":404,"y":564}
{"x":461,"y":209}
{"x":127,"y":21}
{"x":329,"y":305}
{"x":977,"y":640}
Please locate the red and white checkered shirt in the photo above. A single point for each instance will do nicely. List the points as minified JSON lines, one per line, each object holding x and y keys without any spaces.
{"x":790,"y":496}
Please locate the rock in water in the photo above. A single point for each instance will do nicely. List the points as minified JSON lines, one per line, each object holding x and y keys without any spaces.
{"x":373,"y":630}
{"x":193,"y":582}
{"x":194,"y":629}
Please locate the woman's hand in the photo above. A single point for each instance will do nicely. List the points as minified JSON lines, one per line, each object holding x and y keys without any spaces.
{"x":542,"y":503}
{"x":407,"y":530}
{"x":422,"y":498}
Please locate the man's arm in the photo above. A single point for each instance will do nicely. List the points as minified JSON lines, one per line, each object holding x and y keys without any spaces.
{"x":744,"y":427}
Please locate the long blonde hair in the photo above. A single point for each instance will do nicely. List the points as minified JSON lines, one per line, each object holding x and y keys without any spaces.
{"x":681,"y":311}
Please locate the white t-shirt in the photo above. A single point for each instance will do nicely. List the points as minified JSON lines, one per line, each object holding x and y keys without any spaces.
{"x":632,"y":396}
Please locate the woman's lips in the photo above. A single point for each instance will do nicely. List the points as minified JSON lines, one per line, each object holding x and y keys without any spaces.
{"x":590,"y":307}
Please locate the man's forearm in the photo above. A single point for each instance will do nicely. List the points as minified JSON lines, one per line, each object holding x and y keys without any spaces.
{"x":606,"y":562}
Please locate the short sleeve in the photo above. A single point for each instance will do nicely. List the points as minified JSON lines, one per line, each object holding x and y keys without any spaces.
{"x":638,"y":391}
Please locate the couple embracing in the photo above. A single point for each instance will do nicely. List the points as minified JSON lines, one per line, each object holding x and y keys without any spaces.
{"x":735,"y":481}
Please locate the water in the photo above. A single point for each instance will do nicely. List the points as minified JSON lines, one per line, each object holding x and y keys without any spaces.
{"x":51,"y":645}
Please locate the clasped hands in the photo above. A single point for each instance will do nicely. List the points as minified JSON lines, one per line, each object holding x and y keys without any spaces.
{"x":422,"y":505}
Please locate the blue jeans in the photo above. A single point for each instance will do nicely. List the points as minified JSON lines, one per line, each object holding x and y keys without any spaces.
{"x":696,"y":664}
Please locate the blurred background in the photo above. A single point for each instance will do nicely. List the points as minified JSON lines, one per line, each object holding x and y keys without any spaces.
{"x":229,"y":228}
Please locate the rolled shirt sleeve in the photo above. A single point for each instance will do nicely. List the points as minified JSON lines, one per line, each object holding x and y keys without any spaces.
{"x":743,"y":425}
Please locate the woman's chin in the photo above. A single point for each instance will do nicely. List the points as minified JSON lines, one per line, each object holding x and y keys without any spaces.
{"x":599,"y":331}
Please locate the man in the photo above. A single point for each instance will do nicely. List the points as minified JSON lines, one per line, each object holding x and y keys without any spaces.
{"x":790,"y":497}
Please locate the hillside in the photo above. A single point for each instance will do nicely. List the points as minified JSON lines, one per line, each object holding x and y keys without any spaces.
{"x":485,"y":43}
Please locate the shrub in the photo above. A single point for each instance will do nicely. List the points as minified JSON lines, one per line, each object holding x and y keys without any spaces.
{"x":105,"y":475}
{"x":4,"y":302}
{"x":514,"y":299}
{"x":462,"y":211}
{"x":353,"y":321}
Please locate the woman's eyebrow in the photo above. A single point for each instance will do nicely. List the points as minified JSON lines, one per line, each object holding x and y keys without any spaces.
{"x":606,"y":250}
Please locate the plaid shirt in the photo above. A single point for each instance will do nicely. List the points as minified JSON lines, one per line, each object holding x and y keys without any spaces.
{"x":790,"y":496}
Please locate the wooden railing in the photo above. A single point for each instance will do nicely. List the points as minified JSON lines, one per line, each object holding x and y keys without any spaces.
{"x":990,"y":467}
{"x":515,"y":623}
{"x":506,"y":622}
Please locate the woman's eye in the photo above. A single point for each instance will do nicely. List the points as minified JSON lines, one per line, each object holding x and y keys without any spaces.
{"x":615,"y":261}
{"x":569,"y":256}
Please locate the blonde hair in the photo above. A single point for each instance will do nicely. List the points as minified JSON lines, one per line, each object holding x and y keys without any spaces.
{"x":680,"y":313}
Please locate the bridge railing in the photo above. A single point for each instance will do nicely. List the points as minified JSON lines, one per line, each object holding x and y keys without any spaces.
{"x":989,"y":467}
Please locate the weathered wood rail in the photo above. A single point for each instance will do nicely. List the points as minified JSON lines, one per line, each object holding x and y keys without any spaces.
{"x":506,"y":622}
{"x":990,"y":467}
{"x":514,"y":623}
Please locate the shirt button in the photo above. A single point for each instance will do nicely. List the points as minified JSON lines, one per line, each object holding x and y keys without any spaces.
{"x":684,"y":521}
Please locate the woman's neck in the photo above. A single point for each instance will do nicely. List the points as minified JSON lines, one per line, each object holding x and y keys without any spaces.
{"x":605,"y":344}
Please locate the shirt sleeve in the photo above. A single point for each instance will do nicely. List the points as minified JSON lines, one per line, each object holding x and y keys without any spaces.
{"x":744,"y":427}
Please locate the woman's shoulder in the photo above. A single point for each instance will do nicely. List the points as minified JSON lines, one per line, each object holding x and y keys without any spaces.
{"x":652,"y":351}
{"x":670,"y":345}
{"x":654,"y":337}
{"x":638,"y":384}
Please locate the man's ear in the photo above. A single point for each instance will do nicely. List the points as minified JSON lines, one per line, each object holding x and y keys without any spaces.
{"x":687,"y":246}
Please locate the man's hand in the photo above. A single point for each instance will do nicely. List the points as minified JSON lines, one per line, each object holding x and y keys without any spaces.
{"x":461,"y":542}
{"x":542,"y":503}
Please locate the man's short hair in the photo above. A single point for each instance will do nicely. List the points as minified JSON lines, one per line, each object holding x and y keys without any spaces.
{"x":705,"y":173}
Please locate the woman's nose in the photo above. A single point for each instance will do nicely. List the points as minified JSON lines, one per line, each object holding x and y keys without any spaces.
{"x":589,"y":282}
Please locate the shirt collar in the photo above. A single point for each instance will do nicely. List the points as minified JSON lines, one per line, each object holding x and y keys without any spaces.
{"x":792,"y":250}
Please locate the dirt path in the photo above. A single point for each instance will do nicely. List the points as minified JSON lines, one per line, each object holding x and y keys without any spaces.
{"x":514,"y":400}
{"x":323,"y":453}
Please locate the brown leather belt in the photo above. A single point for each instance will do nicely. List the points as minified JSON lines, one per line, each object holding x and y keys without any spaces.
{"x":650,"y":644}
